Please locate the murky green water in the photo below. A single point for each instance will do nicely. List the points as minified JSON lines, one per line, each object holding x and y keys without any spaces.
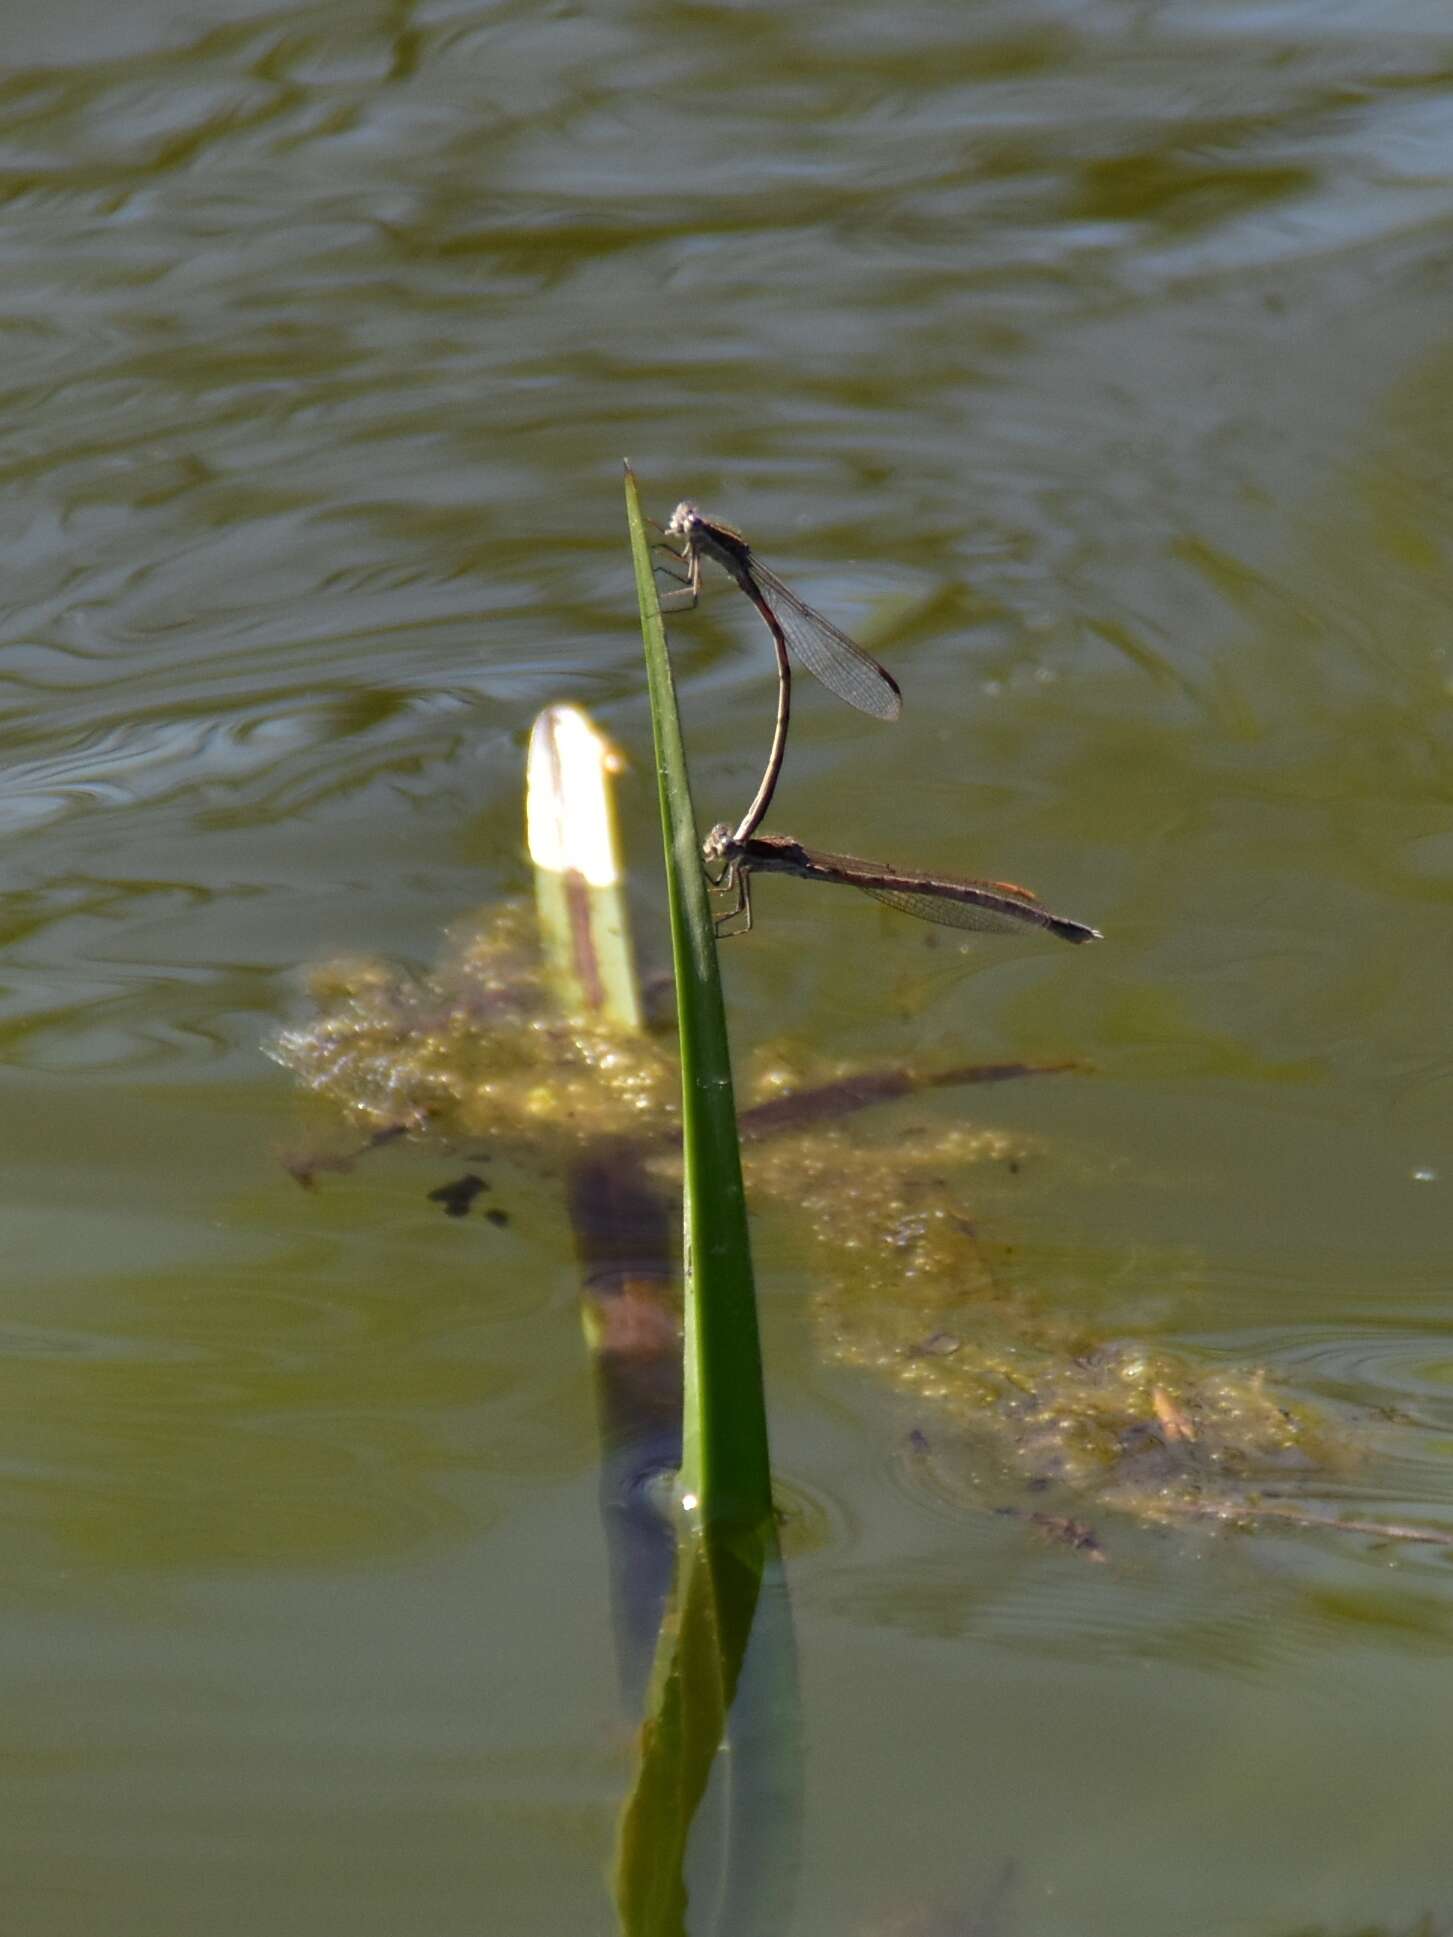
{"x":1093,"y":363}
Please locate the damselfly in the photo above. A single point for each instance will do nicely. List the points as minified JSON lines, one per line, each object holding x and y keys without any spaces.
{"x":989,"y":907}
{"x":794,"y":626}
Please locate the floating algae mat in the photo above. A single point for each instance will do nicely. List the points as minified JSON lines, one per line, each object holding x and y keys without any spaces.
{"x":475,"y":1048}
{"x":906,"y":1285}
{"x":911,"y":1290}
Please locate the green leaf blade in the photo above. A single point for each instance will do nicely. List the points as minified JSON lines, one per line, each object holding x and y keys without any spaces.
{"x":726,"y":1472}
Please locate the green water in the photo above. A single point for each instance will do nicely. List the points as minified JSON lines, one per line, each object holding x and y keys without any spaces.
{"x":1091,"y":362}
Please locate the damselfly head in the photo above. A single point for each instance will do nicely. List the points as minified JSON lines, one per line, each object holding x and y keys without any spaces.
{"x":714,"y":847}
{"x":682,"y":519}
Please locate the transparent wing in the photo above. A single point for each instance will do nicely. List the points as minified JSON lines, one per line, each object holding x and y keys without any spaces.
{"x":828,"y":654}
{"x":982,"y":907}
{"x":978,"y":908}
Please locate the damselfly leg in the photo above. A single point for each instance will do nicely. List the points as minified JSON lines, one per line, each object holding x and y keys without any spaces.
{"x":733,"y":882}
{"x":689,"y":580}
{"x":724,"y":877}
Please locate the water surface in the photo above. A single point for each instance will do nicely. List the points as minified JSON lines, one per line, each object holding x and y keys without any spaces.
{"x":1091,"y":362}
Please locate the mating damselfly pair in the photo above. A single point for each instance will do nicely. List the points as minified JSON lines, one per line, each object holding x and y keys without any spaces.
{"x":732,"y":855}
